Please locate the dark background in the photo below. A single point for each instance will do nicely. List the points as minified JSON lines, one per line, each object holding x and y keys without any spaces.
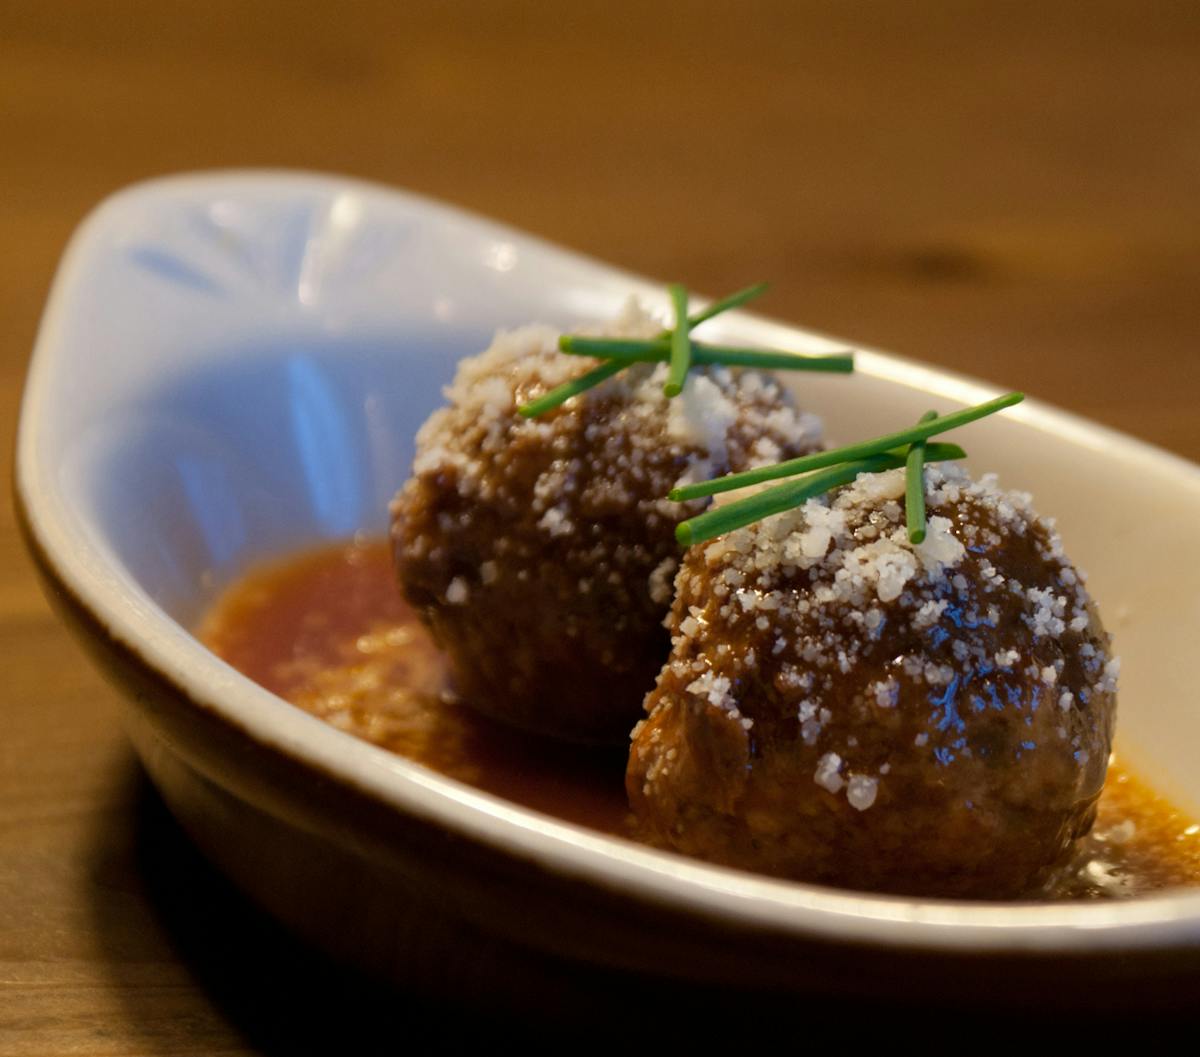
{"x":1009,"y":189}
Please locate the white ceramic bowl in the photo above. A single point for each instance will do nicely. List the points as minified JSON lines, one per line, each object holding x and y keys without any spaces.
{"x":233,"y":365}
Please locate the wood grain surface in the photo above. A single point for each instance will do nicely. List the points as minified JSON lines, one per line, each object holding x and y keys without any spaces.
{"x":1008,"y":188}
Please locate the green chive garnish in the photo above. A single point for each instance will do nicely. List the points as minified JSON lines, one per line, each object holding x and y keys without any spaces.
{"x":742,"y":512}
{"x":914,"y":486}
{"x":579,"y":385}
{"x":658,"y":350}
{"x":726,"y":303}
{"x":561,"y":394}
{"x":681,"y":343}
{"x":864,"y":449}
{"x":675,"y":347}
{"x":935,"y":452}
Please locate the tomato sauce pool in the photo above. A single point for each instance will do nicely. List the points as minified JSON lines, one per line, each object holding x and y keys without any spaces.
{"x":328,"y":631}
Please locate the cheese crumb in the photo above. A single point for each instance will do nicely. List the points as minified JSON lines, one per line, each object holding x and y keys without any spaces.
{"x":861,"y":791}
{"x":826,"y":774}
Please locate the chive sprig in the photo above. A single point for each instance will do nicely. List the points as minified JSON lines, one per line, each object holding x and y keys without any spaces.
{"x":724,"y":304}
{"x":822,"y":471}
{"x":658,"y":350}
{"x":835,"y":456}
{"x":914,"y":486}
{"x":681,"y":343}
{"x":675,"y":347}
{"x":729,"y":516}
{"x":569,"y":389}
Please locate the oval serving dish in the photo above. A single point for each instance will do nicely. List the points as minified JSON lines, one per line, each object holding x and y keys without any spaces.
{"x":232,"y":366}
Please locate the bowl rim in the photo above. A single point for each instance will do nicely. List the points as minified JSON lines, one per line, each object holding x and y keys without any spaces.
{"x":1168,"y":920}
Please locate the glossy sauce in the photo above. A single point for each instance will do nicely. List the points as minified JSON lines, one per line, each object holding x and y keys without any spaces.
{"x":328,"y":631}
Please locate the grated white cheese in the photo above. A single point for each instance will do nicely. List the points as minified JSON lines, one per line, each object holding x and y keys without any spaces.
{"x":827,"y":773}
{"x":861,"y":791}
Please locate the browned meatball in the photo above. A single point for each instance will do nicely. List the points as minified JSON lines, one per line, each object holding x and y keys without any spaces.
{"x":541,"y":552}
{"x":846,"y":708}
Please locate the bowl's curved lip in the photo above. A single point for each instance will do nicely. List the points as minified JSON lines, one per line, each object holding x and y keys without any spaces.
{"x":799,"y":911}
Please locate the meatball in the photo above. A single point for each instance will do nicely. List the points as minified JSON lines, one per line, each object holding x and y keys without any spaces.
{"x":844,"y":707}
{"x":541,"y":551}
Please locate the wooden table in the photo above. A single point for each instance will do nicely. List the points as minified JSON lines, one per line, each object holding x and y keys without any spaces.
{"x":1008,"y":189}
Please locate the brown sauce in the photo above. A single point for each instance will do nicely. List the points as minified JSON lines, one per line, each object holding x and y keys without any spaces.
{"x":328,"y":631}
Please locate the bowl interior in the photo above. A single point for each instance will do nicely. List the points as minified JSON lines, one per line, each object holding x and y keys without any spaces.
{"x":234,"y":368}
{"x":272,"y":447}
